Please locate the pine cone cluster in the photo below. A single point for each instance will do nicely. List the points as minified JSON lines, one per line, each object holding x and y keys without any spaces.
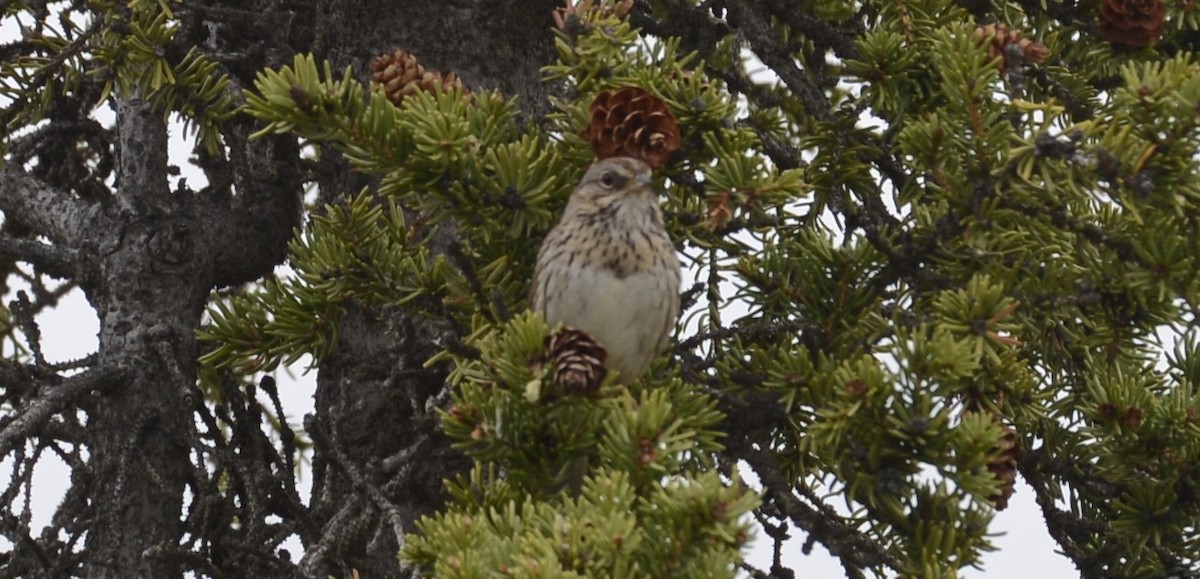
{"x":632,"y":122}
{"x":578,"y":361}
{"x":1131,"y":24}
{"x":1002,"y":37}
{"x":400,"y":75}
{"x":1004,"y":466}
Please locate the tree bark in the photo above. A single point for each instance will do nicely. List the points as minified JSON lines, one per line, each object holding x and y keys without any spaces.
{"x":144,"y":309}
{"x":158,"y":255}
{"x":375,"y":401}
{"x":148,"y":254}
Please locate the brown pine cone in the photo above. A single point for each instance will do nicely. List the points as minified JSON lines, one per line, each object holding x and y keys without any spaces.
{"x":400,"y":75}
{"x":1002,"y":37}
{"x":632,"y":122}
{"x":720,"y":211}
{"x":1004,"y":466}
{"x":1131,"y":24}
{"x":578,"y":360}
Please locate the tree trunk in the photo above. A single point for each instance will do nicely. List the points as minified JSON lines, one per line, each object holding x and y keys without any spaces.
{"x":375,"y":401}
{"x":148,"y":308}
{"x":147,"y":254}
{"x":158,"y":255}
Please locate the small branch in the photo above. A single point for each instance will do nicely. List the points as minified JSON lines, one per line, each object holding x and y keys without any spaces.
{"x":459,"y":259}
{"x":52,"y":213}
{"x":754,"y":25}
{"x":404,"y":457}
{"x":753,"y":329}
{"x":315,"y":557}
{"x":50,"y":70}
{"x":286,"y":436}
{"x":267,"y":208}
{"x":754,"y":572}
{"x":67,"y":365}
{"x":1065,"y":528}
{"x":357,"y":478}
{"x":54,"y":260}
{"x":22,"y":314}
{"x":55,"y":399}
{"x":856,"y":550}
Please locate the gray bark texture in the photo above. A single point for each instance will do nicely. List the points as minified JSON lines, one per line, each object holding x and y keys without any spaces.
{"x":161,"y":482}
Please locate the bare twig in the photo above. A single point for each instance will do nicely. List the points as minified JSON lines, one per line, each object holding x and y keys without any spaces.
{"x":53,"y":400}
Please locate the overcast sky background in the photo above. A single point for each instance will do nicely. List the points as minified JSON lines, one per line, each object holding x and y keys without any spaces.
{"x":70,"y":332}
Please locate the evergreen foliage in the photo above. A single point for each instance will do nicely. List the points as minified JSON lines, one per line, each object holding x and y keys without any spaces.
{"x":907,"y":249}
{"x":1035,"y":239}
{"x":457,"y":160}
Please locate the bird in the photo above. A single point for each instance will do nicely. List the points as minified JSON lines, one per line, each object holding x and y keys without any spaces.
{"x":609,"y":268}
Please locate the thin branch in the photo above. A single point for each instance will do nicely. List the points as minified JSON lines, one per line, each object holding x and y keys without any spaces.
{"x":55,"y":399}
{"x":357,"y":478}
{"x":759,"y":329}
{"x":50,"y":70}
{"x":856,"y":550}
{"x":52,"y":213}
{"x":1064,"y":527}
{"x":61,"y":262}
{"x":316,"y":556}
{"x":754,"y":26}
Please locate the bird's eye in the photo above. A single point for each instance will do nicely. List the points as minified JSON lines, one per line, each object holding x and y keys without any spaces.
{"x":608,"y":180}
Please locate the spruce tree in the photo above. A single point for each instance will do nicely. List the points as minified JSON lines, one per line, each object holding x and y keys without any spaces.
{"x":933,"y":248}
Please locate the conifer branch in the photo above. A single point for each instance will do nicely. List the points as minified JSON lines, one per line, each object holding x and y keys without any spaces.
{"x":55,"y":214}
{"x":53,"y":399}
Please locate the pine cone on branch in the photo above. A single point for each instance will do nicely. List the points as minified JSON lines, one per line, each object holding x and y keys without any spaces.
{"x":1004,"y":466}
{"x":400,"y":75}
{"x":1131,"y":24}
{"x":1002,"y":37}
{"x":632,"y":122}
{"x":578,"y":361}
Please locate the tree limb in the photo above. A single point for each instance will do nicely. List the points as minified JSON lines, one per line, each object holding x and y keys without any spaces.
{"x":31,"y":202}
{"x":856,"y":550}
{"x":54,"y":400}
